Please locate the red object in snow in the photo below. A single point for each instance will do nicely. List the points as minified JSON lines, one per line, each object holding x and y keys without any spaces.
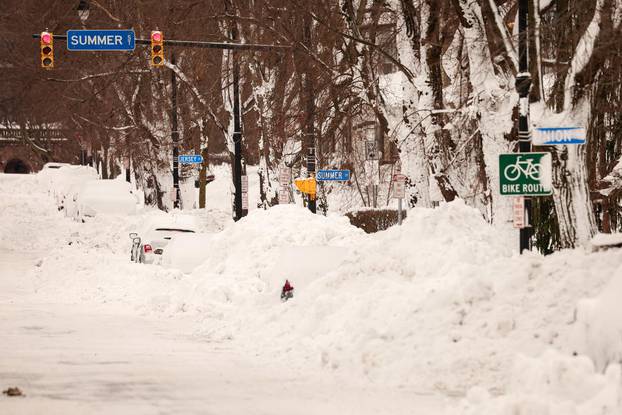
{"x":287,"y":292}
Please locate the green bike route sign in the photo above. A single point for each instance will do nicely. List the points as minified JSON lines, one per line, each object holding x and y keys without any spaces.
{"x":525,"y":174}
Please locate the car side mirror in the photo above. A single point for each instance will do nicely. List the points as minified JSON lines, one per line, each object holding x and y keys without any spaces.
{"x":133,"y":235}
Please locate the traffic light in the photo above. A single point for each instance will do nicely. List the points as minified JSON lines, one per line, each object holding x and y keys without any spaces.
{"x":157,"y":48}
{"x":47,"y":50}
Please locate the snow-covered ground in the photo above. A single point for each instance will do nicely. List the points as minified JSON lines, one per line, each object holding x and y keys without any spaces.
{"x":439,"y":316}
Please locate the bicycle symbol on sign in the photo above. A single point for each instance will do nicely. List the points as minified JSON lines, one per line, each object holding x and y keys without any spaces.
{"x":527,"y":168}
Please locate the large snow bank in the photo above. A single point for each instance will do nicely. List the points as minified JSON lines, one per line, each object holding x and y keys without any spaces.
{"x":259,"y":244}
{"x":442,"y":302}
{"x":381,"y":306}
{"x":64,"y":182}
{"x":552,"y":384}
{"x":186,"y":251}
{"x":599,"y":324}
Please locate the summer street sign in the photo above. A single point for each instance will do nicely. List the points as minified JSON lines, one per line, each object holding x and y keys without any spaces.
{"x":333,"y":175}
{"x":526,"y":174}
{"x":191,"y":159}
{"x":92,"y":40}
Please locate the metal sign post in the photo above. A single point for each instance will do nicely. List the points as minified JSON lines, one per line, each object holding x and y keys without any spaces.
{"x":523,"y":85}
{"x":283,"y":196}
{"x":175,"y":136}
{"x":285,"y":177}
{"x":518,"y":211}
{"x":244,"y":193}
{"x":399,"y":191}
{"x":372,"y":170}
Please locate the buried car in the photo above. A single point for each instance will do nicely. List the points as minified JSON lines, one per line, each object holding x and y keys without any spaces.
{"x":112,"y":197}
{"x":64,"y":180}
{"x":148,"y":246}
{"x":187,"y":251}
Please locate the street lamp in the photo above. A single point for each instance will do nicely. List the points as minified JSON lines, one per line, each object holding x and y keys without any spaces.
{"x":83,"y":10}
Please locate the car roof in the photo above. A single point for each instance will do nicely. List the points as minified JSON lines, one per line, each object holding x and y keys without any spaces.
{"x":53,"y":165}
{"x":173,"y":221}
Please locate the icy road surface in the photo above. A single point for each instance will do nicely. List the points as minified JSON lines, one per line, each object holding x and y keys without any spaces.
{"x":71,"y":357}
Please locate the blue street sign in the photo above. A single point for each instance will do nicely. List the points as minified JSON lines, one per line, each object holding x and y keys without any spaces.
{"x":91,"y":40}
{"x":558,"y":135}
{"x":191,"y":159}
{"x":333,"y":175}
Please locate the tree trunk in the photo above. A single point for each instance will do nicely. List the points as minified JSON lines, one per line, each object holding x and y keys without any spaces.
{"x":572,"y":197}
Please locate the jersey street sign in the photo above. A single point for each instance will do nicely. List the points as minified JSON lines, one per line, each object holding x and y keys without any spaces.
{"x":96,"y":40}
{"x":191,"y":159}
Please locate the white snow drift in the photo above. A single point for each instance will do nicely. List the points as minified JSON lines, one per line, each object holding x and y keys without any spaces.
{"x":442,"y":304}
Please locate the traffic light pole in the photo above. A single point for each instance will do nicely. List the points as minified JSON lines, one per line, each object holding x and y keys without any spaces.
{"x":309,"y":122}
{"x":523,"y":84}
{"x":175,"y":135}
{"x":237,"y":139}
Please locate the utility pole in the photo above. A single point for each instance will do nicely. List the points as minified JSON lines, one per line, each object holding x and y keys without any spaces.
{"x":175,"y":135}
{"x":237,"y":134}
{"x":523,"y":84}
{"x":204,"y":165}
{"x":310,"y":113}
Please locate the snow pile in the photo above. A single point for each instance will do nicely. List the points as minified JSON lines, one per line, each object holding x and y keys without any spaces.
{"x":199,"y":220}
{"x":219,"y":193}
{"x":378,"y":308}
{"x":92,"y":263}
{"x":441,"y":303}
{"x":606,"y":240}
{"x":599,"y":326}
{"x":552,"y":384}
{"x":61,"y":183}
{"x":253,"y":248}
{"x":186,"y":251}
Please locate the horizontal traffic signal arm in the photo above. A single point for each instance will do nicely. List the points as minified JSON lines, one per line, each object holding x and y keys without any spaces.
{"x":199,"y":44}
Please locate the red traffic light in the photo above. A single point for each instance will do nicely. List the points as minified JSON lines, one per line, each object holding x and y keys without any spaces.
{"x":46,"y":38}
{"x":47,"y":50}
{"x":157,"y":48}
